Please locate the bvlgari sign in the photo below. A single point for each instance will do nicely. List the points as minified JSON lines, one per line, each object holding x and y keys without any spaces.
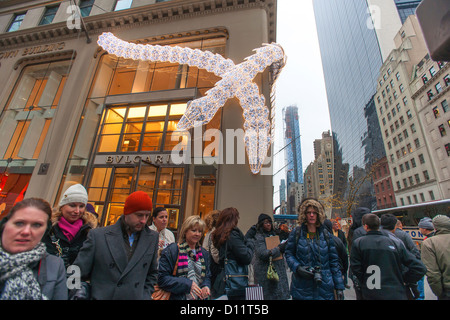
{"x":155,"y":159}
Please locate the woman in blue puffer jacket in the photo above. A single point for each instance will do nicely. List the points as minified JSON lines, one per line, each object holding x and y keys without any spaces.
{"x":312,"y":257}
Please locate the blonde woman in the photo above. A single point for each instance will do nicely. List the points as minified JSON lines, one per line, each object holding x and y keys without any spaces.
{"x":192,"y":277}
{"x":71,"y":223}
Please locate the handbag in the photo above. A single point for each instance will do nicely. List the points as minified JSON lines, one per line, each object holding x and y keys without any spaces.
{"x":236,"y":276}
{"x":160,"y":294}
{"x":271,"y":272}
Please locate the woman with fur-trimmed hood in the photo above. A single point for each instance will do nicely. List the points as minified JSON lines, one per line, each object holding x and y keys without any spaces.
{"x":312,"y":257}
{"x":71,"y":223}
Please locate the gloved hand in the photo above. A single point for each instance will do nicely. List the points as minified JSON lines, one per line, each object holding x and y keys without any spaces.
{"x":304,"y":273}
{"x":340,"y":294}
{"x":415,"y":293}
{"x":80,"y":294}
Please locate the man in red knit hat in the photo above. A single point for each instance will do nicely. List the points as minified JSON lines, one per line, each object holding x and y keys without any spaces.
{"x":121,"y":260}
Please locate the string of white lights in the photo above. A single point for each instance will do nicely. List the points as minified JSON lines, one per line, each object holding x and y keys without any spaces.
{"x":237,"y":81}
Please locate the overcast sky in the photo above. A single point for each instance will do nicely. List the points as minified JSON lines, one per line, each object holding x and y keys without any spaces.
{"x":301,"y":82}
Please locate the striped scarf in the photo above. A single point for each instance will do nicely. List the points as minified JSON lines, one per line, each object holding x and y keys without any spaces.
{"x":185,"y":254}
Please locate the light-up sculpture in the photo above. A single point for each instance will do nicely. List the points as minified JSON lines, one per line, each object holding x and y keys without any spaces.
{"x":237,"y":81}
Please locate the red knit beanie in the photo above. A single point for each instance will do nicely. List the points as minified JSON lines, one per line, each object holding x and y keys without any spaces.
{"x":137,"y":201}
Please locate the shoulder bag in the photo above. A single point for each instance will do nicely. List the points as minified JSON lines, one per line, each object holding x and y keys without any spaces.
{"x":236,"y":276}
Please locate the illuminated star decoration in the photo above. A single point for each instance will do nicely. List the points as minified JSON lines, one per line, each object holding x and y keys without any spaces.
{"x":237,"y":81}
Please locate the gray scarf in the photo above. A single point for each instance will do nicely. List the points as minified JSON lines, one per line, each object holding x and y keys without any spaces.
{"x":16,"y":274}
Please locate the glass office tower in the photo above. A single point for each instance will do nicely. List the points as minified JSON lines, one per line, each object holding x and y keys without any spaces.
{"x":293,"y":147}
{"x":406,"y":8}
{"x":351,"y":59}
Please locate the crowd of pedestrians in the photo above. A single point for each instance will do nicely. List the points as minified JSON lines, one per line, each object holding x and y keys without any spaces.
{"x":139,"y":258}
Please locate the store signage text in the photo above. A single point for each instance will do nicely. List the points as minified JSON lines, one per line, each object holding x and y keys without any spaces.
{"x":34,"y":50}
{"x":151,"y":159}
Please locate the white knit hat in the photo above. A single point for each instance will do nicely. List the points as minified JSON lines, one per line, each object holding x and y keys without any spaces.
{"x":75,"y":193}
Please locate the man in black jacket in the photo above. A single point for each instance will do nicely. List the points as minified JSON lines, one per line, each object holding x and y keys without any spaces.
{"x":376,"y":262}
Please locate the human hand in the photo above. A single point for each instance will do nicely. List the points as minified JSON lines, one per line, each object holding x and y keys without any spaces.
{"x":205,"y":293}
{"x":196,"y":292}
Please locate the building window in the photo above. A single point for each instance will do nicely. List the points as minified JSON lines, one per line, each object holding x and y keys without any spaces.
{"x":405,"y":183}
{"x":442,"y":130}
{"x":416,"y":176}
{"x":17,"y":21}
{"x":398,"y":185}
{"x":438,"y":87}
{"x":441,"y":64}
{"x":405,"y":133}
{"x":35,"y":97}
{"x":395,"y":171}
{"x":447,"y":148}
{"x":405,"y":101}
{"x":407,"y":167}
{"x":430,"y":94}
{"x":431,"y":195}
{"x":426,"y":175}
{"x":49,"y":15}
{"x":413,"y":162}
{"x":397,"y":75}
{"x":395,"y":141}
{"x":424,"y":79}
{"x":401,"y":199}
{"x":447,"y":80}
{"x":122,"y":4}
{"x":86,"y":7}
{"x":409,"y":114}
{"x":413,"y":128}
{"x":421,"y":159}
{"x":402,"y":120}
{"x":393,"y":112}
{"x":398,"y":107}
{"x":444,"y":105}
{"x":408,"y":146}
{"x":422,"y":197}
{"x":417,"y":143}
{"x":389,"y":145}
{"x":436,"y":112}
{"x":401,"y":88}
{"x":392,"y":84}
{"x":384,"y":121}
{"x":432,"y":71}
{"x":402,"y":168}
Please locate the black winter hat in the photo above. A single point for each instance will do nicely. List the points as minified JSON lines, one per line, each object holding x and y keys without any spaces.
{"x":388,"y":221}
{"x":264,"y":216}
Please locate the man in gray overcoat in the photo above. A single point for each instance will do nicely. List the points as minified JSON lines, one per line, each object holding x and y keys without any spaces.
{"x":121,"y":260}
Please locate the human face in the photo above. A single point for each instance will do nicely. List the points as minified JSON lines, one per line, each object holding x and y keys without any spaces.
{"x":193,"y":236}
{"x":24,"y":230}
{"x":267,"y":226}
{"x":73,"y":211}
{"x":335,"y":226}
{"x":311,"y":216}
{"x":136,"y":221}
{"x":161,"y":220}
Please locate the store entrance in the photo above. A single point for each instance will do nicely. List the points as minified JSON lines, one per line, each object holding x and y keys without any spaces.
{"x":110,"y":186}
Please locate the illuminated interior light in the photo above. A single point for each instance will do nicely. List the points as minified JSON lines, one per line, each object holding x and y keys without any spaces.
{"x":237,"y":81}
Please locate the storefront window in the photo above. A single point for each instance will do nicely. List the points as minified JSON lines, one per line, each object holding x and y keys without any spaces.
{"x":25,"y":123}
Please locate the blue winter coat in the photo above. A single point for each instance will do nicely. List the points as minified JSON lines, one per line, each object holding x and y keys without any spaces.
{"x":308,"y":253}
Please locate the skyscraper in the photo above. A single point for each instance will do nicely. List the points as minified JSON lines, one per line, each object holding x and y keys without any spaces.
{"x":355,"y":37}
{"x":293,"y":147}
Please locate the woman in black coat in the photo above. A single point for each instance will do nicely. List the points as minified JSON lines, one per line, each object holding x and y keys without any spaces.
{"x":273,"y":290}
{"x":231,"y":242}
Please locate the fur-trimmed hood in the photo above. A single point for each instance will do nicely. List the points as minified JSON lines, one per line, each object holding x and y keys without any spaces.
{"x":88,"y":218}
{"x":317,"y":205}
